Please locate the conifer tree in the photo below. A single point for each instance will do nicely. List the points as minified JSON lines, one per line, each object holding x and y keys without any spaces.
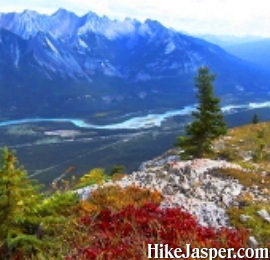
{"x":19,"y":199}
{"x":208,"y":124}
{"x":255,"y":119}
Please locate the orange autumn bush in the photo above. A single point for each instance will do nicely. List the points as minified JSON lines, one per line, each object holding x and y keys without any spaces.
{"x":118,"y":176}
{"x":115,"y":198}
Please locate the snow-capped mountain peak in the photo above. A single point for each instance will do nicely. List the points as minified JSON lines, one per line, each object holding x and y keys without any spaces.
{"x":111,"y":29}
{"x":25,"y":24}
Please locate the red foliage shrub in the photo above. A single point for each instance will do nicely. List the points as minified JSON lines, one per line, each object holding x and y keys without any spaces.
{"x":125,"y":234}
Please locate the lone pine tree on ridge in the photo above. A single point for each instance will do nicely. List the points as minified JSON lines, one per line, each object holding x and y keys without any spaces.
{"x":208,"y":124}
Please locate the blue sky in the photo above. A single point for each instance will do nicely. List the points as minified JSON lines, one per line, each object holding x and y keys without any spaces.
{"x":232,"y":17}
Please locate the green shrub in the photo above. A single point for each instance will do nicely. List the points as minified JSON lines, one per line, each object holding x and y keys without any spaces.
{"x":95,"y":176}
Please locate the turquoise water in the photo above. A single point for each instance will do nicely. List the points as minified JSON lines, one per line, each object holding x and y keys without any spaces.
{"x":148,"y":121}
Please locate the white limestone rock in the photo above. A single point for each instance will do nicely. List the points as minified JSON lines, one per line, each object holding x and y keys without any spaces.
{"x":264,"y":214}
{"x":244,"y":218}
{"x":252,"y":242}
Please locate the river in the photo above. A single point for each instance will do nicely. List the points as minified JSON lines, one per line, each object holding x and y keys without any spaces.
{"x":142,"y":122}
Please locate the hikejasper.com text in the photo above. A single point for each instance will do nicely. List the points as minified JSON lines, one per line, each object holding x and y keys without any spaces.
{"x":164,"y":251}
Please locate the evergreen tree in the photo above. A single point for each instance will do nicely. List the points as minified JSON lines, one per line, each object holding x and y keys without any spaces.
{"x":255,"y":119}
{"x":30,"y":222}
{"x":118,"y":169}
{"x":19,"y":199}
{"x":208,"y":124}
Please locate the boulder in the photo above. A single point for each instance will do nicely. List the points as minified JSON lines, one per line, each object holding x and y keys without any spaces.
{"x":252,"y":242}
{"x":244,"y":218}
{"x":264,"y":214}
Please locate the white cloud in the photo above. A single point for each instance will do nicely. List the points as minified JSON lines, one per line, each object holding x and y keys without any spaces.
{"x":238,"y":17}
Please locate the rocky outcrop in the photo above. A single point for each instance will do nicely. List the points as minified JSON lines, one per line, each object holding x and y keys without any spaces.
{"x":194,"y":185}
{"x":189,"y":184}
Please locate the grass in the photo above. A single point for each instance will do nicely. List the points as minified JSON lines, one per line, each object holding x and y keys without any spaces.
{"x":247,"y":178}
{"x":248,"y":146}
{"x":258,"y":226}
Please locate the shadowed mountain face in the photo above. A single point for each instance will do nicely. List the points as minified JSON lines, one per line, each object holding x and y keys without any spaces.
{"x":65,"y":65}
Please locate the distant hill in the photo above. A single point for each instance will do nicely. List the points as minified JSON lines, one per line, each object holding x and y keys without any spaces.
{"x":257,"y":52}
{"x":228,"y":40}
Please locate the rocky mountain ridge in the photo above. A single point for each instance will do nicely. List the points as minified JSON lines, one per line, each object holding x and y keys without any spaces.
{"x":79,"y":65}
{"x":78,"y":47}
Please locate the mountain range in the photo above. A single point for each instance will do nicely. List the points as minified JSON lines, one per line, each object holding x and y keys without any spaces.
{"x":68,"y":65}
{"x":257,"y":51}
{"x":225,"y":41}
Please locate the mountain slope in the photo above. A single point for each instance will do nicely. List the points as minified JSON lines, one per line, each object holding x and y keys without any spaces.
{"x":225,"y":41}
{"x":257,"y":52}
{"x":65,"y":65}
